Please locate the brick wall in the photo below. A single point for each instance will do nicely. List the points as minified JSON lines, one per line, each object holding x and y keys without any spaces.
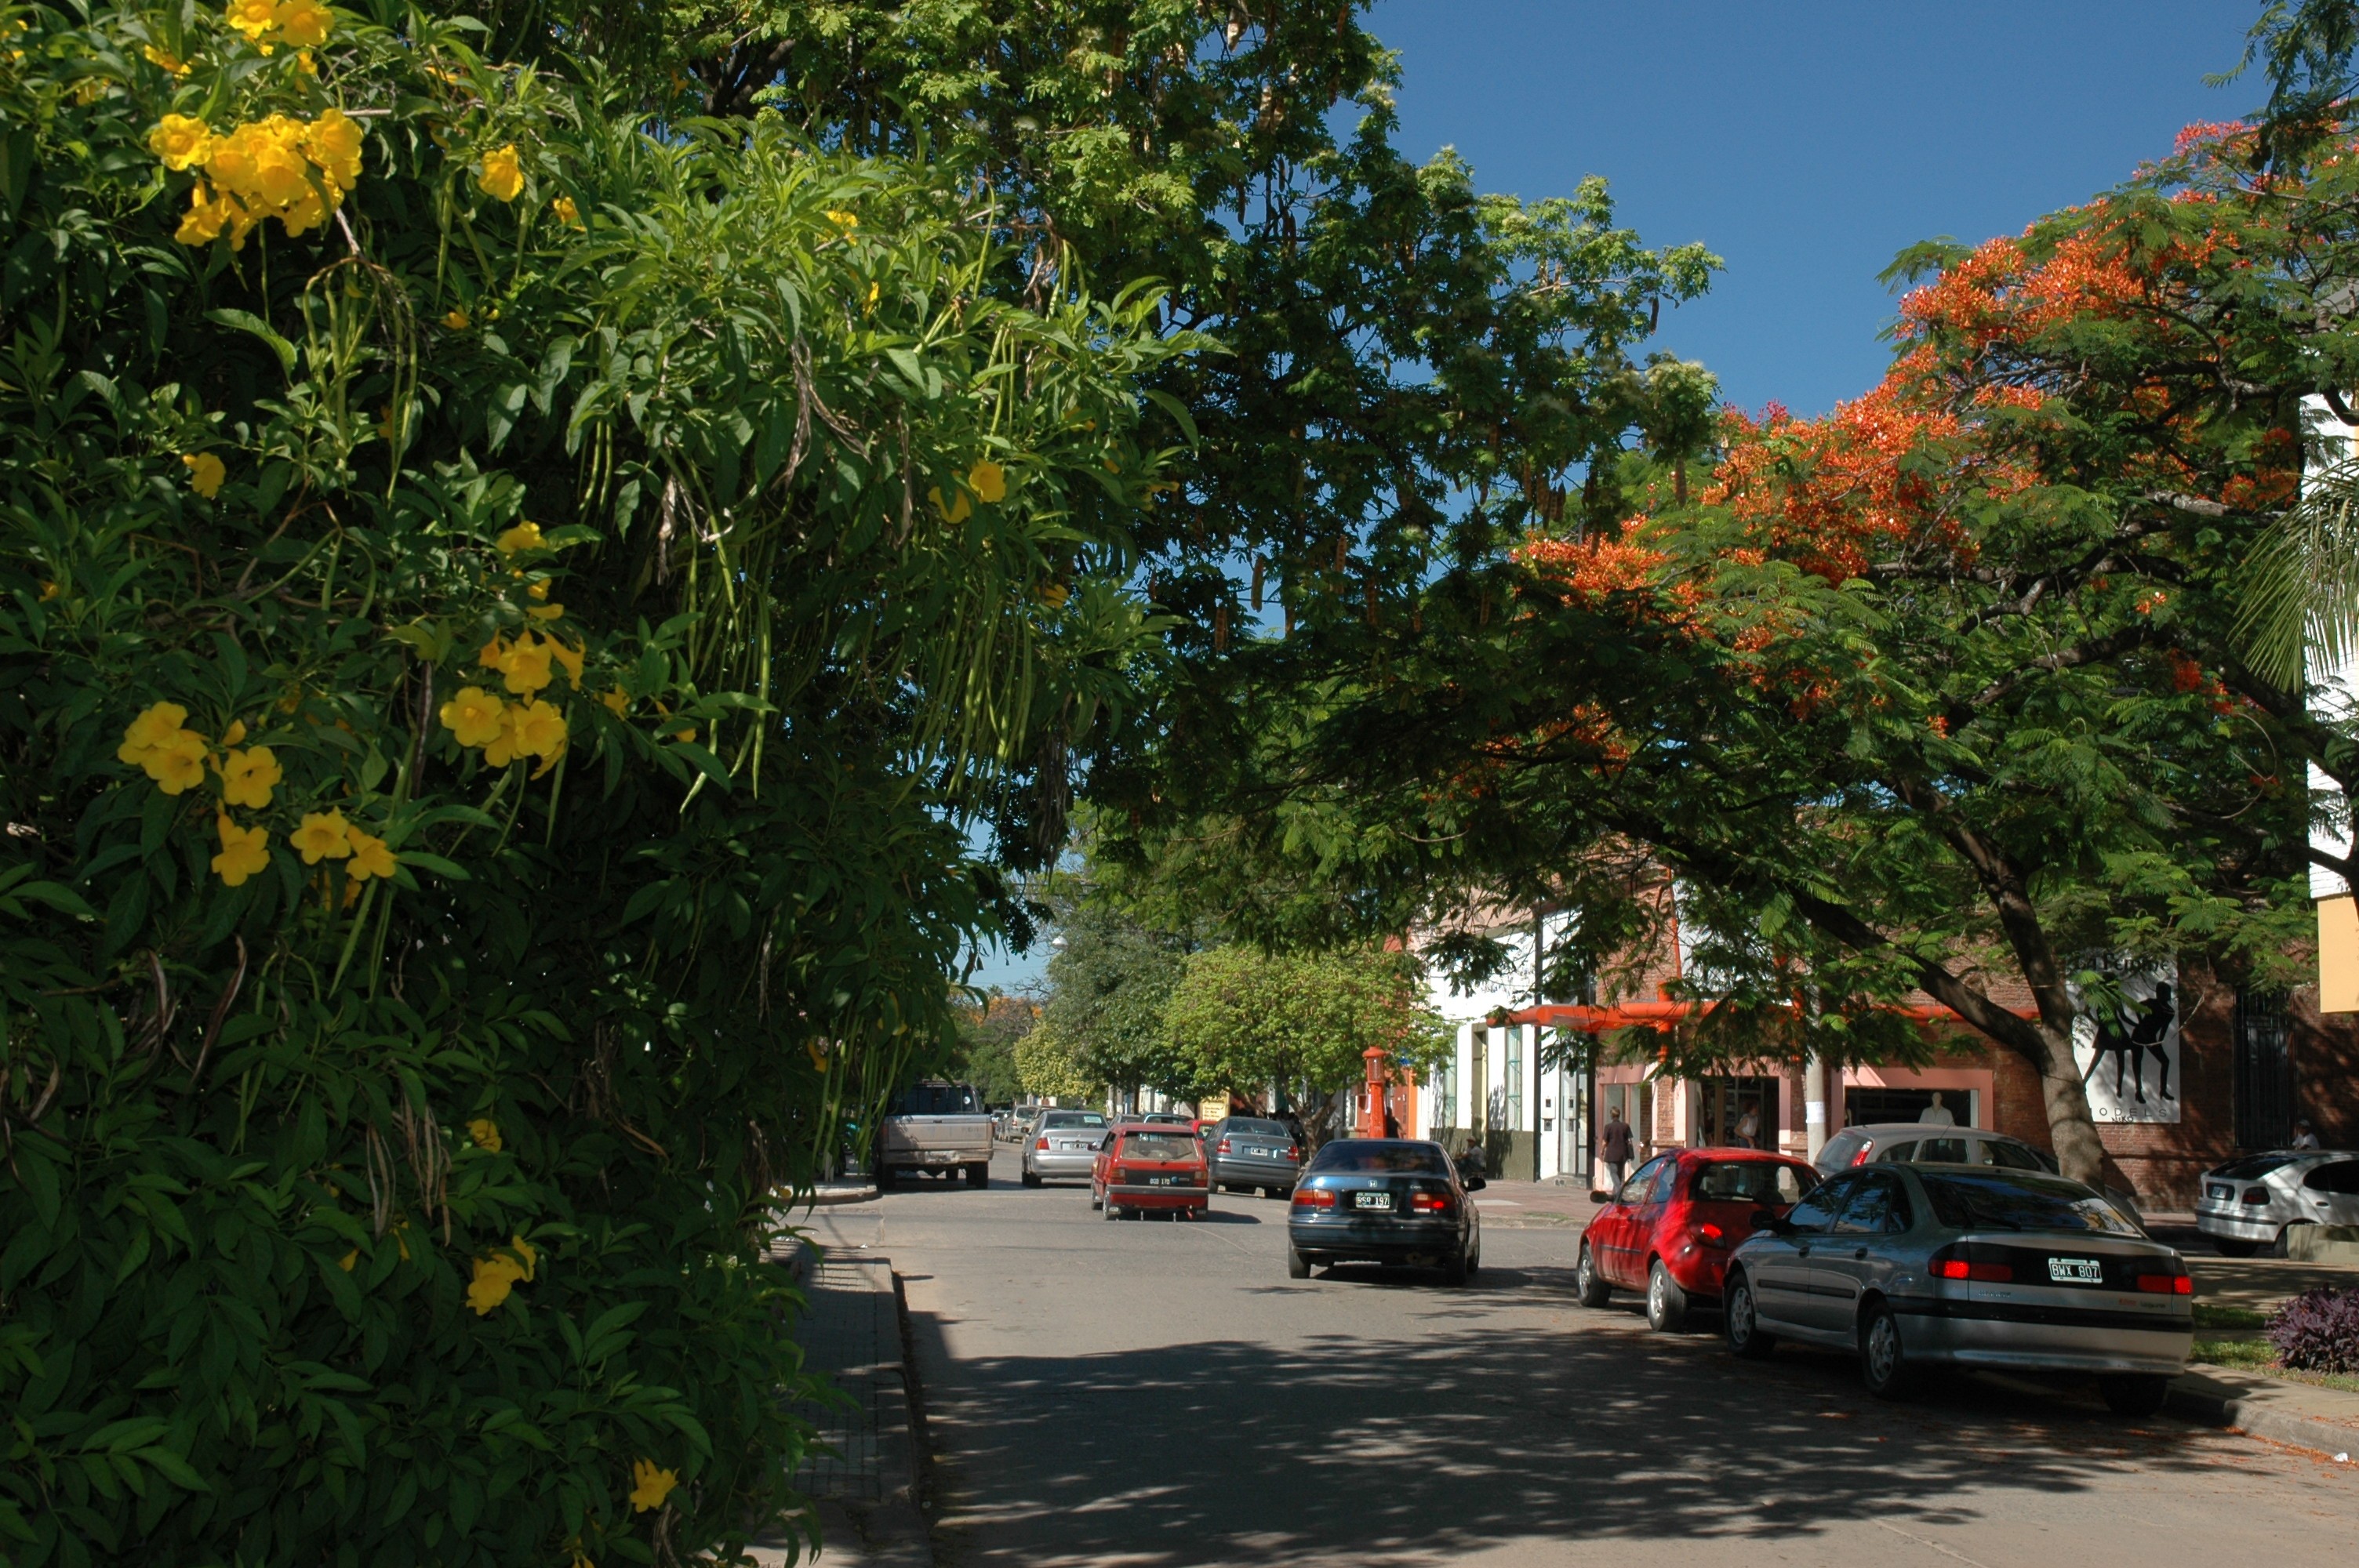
{"x":2325,"y":1052}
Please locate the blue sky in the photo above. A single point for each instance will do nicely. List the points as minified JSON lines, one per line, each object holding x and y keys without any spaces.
{"x":1806,"y":141}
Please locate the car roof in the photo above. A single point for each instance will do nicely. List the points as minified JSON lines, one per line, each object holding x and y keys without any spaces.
{"x":1923,"y":1130}
{"x":1715,"y":1153}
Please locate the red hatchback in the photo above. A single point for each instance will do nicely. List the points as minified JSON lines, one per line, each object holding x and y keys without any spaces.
{"x":1669,"y":1230}
{"x":1141,"y":1168}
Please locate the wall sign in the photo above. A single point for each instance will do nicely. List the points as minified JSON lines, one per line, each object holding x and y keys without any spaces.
{"x":2128,"y":1055}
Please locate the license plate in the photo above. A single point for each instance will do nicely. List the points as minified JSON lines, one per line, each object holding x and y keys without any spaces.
{"x":1162,"y":1181}
{"x":2076,"y":1270}
{"x":1257,"y":1153}
{"x":1068,"y":1147}
{"x":1372,"y":1200}
{"x":2224,"y":1194}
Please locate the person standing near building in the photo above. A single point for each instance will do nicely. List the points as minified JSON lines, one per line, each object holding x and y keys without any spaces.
{"x":1937,"y":1114}
{"x":1613,"y":1146}
{"x":2303,"y":1136}
{"x":1749,"y":1128}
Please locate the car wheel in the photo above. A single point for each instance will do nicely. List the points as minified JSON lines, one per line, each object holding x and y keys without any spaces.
{"x":1453,"y":1269}
{"x":1111,"y":1212}
{"x":1594,"y":1291}
{"x":1474,"y":1260}
{"x":1031,"y":1177}
{"x":1883,"y":1363}
{"x":1097,"y":1199}
{"x":1667,"y":1304}
{"x":2283,"y":1246}
{"x":1740,"y":1318}
{"x":1298,"y":1266}
{"x":979,"y":1175}
{"x":2135,"y":1394}
{"x":2231,"y":1249}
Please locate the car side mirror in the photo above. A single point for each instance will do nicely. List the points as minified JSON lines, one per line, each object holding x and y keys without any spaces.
{"x":1473,"y":1183}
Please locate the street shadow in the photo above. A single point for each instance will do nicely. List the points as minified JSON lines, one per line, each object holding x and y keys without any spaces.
{"x":1412,"y":1450}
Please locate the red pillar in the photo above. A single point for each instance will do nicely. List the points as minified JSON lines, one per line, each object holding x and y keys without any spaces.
{"x":1372,"y":1108}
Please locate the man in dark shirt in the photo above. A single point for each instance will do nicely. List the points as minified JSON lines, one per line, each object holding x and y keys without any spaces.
{"x":1615,"y":1146}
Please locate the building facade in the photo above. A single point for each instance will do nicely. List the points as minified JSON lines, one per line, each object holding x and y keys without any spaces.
{"x":2193,"y":1072}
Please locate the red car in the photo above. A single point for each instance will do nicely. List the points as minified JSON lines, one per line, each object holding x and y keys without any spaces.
{"x":1669,"y":1230}
{"x":1140,"y":1170}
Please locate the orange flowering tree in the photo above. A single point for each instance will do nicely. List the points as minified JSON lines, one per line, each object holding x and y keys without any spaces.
{"x":501,"y":616}
{"x":1943,"y":692}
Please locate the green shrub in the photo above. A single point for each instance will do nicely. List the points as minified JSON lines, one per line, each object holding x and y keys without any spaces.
{"x":501,"y":616}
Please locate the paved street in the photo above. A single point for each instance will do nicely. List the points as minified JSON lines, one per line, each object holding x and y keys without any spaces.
{"x":1154,"y":1393}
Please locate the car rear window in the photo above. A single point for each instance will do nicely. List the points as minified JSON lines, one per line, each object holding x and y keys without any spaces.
{"x":1160,"y":1146}
{"x":2020,"y":1201}
{"x":1257,"y":1127}
{"x":2253,"y":1166}
{"x":938,"y":1099}
{"x":1073,"y":1118}
{"x":1352,"y":1157}
{"x":1750,"y":1181}
{"x":1840,"y":1147}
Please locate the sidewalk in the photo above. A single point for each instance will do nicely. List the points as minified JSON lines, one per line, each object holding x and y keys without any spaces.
{"x":1562,"y":1204}
{"x":863,"y":1473}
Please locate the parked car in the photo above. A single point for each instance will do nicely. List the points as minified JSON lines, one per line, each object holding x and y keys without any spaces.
{"x":1921,"y":1265}
{"x":1249,"y":1152}
{"x":1064,"y":1145}
{"x":2253,"y":1204}
{"x":1920,"y":1143}
{"x":1671,"y":1228}
{"x":1148,"y":1168}
{"x":1384,"y":1200}
{"x":936,"y":1127}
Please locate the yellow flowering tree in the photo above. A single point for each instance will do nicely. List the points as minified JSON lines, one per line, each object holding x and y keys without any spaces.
{"x":503,"y":616}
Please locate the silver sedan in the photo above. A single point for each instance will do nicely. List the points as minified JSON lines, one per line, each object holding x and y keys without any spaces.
{"x":1921,"y":1265}
{"x":1065,"y":1146}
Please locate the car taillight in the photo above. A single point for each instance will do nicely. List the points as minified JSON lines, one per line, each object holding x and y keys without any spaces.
{"x":1429,"y":1202}
{"x":1963,"y":1269}
{"x":1224,"y":1146}
{"x":1313,"y":1197}
{"x":1042,"y":1144}
{"x":1865,"y":1149}
{"x":2255,"y":1195}
{"x":1712,"y":1235}
{"x":1292,"y":1152}
{"x":2167,"y":1284}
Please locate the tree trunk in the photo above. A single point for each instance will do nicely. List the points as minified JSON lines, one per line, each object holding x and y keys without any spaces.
{"x":2070,"y":1128}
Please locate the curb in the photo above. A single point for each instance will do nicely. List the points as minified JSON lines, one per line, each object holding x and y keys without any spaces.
{"x":2255,"y":1419}
{"x":828,"y":1196}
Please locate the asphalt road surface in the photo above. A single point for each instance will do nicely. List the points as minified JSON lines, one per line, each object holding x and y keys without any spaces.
{"x":1154,"y":1393}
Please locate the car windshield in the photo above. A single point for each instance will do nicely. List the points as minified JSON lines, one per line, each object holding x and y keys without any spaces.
{"x":2253,"y":1166}
{"x":2013,"y":1201}
{"x":1382,"y":1159}
{"x":938,"y":1099}
{"x":1073,"y":1118}
{"x":1256,"y":1126}
{"x":1750,"y":1181}
{"x":1160,"y":1146}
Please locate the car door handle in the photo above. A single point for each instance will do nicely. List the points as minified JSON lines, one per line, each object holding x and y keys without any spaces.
{"x":1861,"y":1253}
{"x":1801,"y":1251}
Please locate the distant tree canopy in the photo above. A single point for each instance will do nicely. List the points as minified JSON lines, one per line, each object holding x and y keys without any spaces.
{"x":1246,"y":1021}
{"x":987,"y":1040}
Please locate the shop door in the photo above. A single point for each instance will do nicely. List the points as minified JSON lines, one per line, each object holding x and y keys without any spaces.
{"x":2263,"y":1071}
{"x":1722,"y":1106}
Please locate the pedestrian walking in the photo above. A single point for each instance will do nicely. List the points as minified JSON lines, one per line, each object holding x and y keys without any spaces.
{"x":1613,"y":1147}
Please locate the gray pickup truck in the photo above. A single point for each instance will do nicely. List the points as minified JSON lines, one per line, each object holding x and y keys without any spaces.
{"x":936,"y":1126}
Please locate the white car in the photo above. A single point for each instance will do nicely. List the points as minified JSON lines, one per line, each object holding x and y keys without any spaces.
{"x":2250,"y":1204}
